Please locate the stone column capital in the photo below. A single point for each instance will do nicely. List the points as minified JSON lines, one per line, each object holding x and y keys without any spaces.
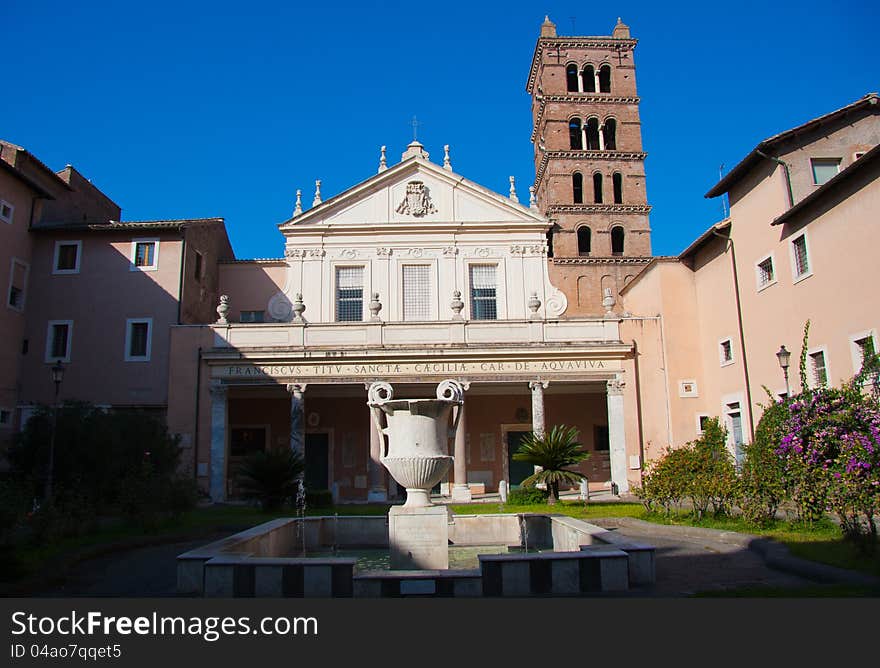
{"x":536,"y":384}
{"x":296,"y":389}
{"x":218,"y":390}
{"x":615,"y":386}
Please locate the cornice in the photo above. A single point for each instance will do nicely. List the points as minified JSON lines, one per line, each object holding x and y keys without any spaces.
{"x":583,"y":155}
{"x":601,"y":260}
{"x":581,"y":98}
{"x":621,"y":45}
{"x":598,"y":208}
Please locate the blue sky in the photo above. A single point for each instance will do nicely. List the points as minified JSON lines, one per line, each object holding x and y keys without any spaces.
{"x":192,"y":109}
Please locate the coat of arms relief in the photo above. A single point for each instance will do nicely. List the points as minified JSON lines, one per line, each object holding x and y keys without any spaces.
{"x":417,"y":201}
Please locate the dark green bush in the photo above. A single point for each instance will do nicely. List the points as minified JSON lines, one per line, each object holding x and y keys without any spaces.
{"x":270,"y":477}
{"x":526,"y":496}
{"x":762,"y":478}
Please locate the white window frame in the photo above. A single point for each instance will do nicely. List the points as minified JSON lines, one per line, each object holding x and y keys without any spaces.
{"x":11,"y":412}
{"x":758,"y":264}
{"x":128,"y":329}
{"x":151,"y":267}
{"x":58,"y":245}
{"x":500,"y":286}
{"x":726,"y":402}
{"x":858,"y":154}
{"x":7,"y":219}
{"x":826,"y":161}
{"x":811,"y":375}
{"x":795,"y":278}
{"x":721,"y":359}
{"x":698,"y":417}
{"x":855,"y":350}
{"x":684,"y":393}
{"x":49,"y":358}
{"x":366,"y":293}
{"x":27,"y":268}
{"x":432,"y":302}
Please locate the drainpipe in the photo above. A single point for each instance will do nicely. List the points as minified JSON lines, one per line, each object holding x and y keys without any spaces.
{"x":196,"y":430}
{"x":739,"y":322}
{"x":787,"y":171}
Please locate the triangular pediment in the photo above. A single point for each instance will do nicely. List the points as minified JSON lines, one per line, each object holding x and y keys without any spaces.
{"x":415,"y":193}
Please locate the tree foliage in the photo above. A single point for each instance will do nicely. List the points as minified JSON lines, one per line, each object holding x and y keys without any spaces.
{"x":270,"y":477}
{"x":553,"y":453}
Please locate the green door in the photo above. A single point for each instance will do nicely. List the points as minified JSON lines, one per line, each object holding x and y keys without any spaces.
{"x":317,"y":470}
{"x":519,"y":471}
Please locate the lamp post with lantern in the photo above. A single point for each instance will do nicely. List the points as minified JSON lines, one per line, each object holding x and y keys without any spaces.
{"x":784,"y":358}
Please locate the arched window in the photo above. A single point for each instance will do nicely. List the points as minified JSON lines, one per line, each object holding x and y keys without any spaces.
{"x":588,"y":77}
{"x":605,"y":79}
{"x":571,"y":78}
{"x":584,"y":240}
{"x":593,"y":134}
{"x":617,"y":182}
{"x":550,"y":243}
{"x":574,"y":134}
{"x":617,"y":240}
{"x":597,"y":188}
{"x":577,"y":188}
{"x":609,"y":134}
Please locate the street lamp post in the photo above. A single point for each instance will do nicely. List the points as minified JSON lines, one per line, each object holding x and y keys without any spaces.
{"x":784,"y":357}
{"x":57,"y":377}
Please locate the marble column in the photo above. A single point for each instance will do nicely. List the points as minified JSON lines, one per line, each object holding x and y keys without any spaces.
{"x":617,"y":435}
{"x":461,"y":493}
{"x":378,"y":491}
{"x":297,"y":417}
{"x":219,"y":421}
{"x":537,"y":387}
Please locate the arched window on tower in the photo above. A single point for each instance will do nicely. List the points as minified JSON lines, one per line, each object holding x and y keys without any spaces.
{"x":588,"y":77}
{"x":584,"y":240}
{"x":592,"y":134}
{"x":617,"y":182}
{"x":609,"y":134}
{"x":571,"y":78}
{"x":605,"y":79}
{"x":577,"y":188}
{"x":597,"y":188}
{"x":617,"y":240}
{"x":574,"y":134}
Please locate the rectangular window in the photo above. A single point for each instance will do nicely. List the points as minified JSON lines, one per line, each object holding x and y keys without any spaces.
{"x":800,"y":256}
{"x":766,"y":272}
{"x":702,"y":422}
{"x":349,"y":294}
{"x":416,"y":292}
{"x":138,"y":339}
{"x":18,"y":274}
{"x":824,"y":169}
{"x":601,"y":438}
{"x":483,"y":305}
{"x":67,"y":257}
{"x":58,"y":340}
{"x":863,"y":347}
{"x":819,"y":368}
{"x":244,"y":441}
{"x":725,"y":350}
{"x":252,"y":316}
{"x":198,"y":266}
{"x":6,"y":211}
{"x":144,"y":254}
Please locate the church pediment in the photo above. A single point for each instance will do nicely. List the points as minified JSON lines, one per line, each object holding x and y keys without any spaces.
{"x":415,"y":193}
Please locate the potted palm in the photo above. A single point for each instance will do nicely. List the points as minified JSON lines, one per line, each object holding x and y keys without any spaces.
{"x":553,"y":453}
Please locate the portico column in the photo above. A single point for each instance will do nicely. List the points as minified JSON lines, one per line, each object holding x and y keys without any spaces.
{"x":617,"y":435}
{"x":219,"y":421}
{"x":378,"y":491}
{"x":461,"y":493}
{"x":297,"y":417}
{"x":537,"y":387}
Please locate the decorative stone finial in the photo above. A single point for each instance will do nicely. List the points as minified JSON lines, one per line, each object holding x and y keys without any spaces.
{"x":375,"y":306}
{"x":317,"y":200}
{"x":223,"y":310}
{"x":608,"y":301}
{"x":298,"y":209}
{"x":415,"y":149}
{"x":456,"y":305}
{"x":383,"y":165}
{"x":621,"y":30}
{"x":513,"y":190}
{"x":533,"y":203}
{"x":298,"y":307}
{"x":534,"y":304}
{"x":446,"y":162}
{"x":548,"y":28}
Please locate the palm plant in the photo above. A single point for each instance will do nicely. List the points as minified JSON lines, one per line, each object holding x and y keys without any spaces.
{"x":552,"y":452}
{"x":270,"y":477}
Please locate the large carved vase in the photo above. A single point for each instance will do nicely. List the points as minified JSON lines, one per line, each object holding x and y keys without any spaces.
{"x":416,"y":435}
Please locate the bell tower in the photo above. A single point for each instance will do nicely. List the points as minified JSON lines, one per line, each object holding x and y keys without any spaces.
{"x":589,"y":164}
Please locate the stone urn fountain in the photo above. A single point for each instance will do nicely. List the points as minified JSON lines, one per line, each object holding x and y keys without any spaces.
{"x":417,"y":433}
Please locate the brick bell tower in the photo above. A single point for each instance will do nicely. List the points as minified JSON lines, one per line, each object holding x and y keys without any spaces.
{"x":589,"y":164}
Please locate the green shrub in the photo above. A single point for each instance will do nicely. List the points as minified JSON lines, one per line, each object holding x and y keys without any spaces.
{"x":552,"y":453}
{"x":762,"y":478}
{"x":527,"y":496}
{"x":270,"y":477}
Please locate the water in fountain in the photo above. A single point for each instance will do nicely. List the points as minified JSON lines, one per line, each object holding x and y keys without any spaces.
{"x":301,"y":513}
{"x":524,"y":531}
{"x":335,"y":532}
